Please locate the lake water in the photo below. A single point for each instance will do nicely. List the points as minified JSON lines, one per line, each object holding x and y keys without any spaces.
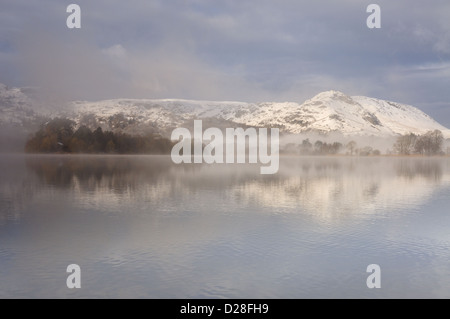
{"x":144,"y":227}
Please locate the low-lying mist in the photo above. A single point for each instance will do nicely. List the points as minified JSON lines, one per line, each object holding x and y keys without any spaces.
{"x":290,"y":142}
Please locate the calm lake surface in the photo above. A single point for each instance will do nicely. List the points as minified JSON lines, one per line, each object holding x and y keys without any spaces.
{"x":144,"y":227}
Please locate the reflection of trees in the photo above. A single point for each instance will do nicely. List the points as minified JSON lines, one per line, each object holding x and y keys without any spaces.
{"x":328,"y":187}
{"x":24,"y":177}
{"x":90,"y":172}
{"x":326,"y":166}
{"x":16,"y":188}
{"x":317,"y":184}
{"x":430,"y":169}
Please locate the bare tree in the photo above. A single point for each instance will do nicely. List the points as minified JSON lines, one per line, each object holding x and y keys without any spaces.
{"x":366,"y":151}
{"x":351,"y":147}
{"x":306,"y":147}
{"x":430,"y":143}
{"x":405,"y":144}
{"x":421,"y":145}
{"x":437,"y":140}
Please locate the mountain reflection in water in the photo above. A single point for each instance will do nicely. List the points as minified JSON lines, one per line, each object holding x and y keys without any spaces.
{"x":141,"y":226}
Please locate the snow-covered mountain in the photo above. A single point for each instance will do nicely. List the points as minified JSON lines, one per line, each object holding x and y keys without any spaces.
{"x":16,"y":107}
{"x":327,"y":112}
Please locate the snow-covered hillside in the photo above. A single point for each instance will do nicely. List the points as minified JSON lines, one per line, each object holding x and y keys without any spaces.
{"x":327,"y":112}
{"x":15,"y":106}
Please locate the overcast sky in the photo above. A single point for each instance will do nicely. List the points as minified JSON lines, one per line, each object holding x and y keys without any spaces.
{"x":245,"y":50}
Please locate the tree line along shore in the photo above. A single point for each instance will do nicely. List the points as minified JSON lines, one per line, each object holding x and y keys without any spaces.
{"x":60,"y":136}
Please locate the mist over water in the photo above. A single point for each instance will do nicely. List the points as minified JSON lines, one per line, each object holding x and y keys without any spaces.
{"x":141,"y":226}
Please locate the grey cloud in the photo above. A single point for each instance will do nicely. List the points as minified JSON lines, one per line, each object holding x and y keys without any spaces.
{"x":234,"y":50}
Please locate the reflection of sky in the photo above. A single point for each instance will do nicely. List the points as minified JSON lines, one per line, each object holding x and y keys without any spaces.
{"x":214,"y":232}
